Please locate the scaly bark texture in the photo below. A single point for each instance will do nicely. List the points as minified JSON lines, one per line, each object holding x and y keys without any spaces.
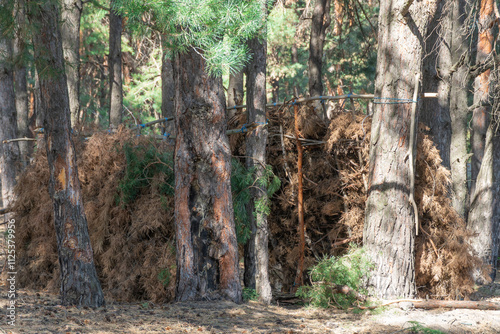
{"x":320,"y":22}
{"x":389,"y":232}
{"x":21,"y":84}
{"x":70,"y":32}
{"x":207,"y":250}
{"x":256,"y":250}
{"x":115,"y":68}
{"x":234,"y":92}
{"x":481,"y":114}
{"x":458,"y":108}
{"x":9,"y":152}
{"x":79,"y":283}
{"x":484,"y":215}
{"x":435,"y":111}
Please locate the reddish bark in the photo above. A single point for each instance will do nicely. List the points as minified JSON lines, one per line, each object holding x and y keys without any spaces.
{"x":299,"y":280}
{"x":207,"y":251}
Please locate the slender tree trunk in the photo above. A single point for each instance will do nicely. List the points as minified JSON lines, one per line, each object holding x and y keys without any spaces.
{"x":79,"y":283}
{"x":320,"y":22}
{"x":256,"y":250}
{"x":21,"y":84}
{"x":436,"y":111}
{"x":9,"y":152}
{"x":207,"y":250}
{"x":115,"y":68}
{"x":458,"y":109}
{"x":234,"y":92}
{"x":389,"y":231}
{"x":167,"y":88}
{"x":70,"y":32}
{"x":481,"y":114}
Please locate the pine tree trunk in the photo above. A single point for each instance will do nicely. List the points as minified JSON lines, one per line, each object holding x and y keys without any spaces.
{"x":79,"y":283}
{"x":256,"y":250}
{"x":115,"y":68}
{"x":436,"y":111}
{"x":319,"y":24}
{"x":167,"y":88}
{"x":234,"y":92}
{"x":70,"y":32}
{"x":484,"y":215}
{"x":389,"y":232}
{"x":21,"y":85}
{"x":458,"y":110}
{"x":9,"y":152}
{"x":481,"y":114}
{"x":207,"y":250}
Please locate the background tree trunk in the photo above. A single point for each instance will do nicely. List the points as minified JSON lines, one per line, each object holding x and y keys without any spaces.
{"x":79,"y":283}
{"x":70,"y":32}
{"x":167,"y":88}
{"x":9,"y":152}
{"x":458,"y":108}
{"x":21,"y":84}
{"x":320,"y":22}
{"x":256,"y":250}
{"x":115,"y":67}
{"x":436,"y":111}
{"x":481,"y":114}
{"x":234,"y":93}
{"x":389,"y":232}
{"x":207,"y":250}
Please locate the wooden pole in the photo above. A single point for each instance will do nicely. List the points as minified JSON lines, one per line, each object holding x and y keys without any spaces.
{"x":299,"y":280}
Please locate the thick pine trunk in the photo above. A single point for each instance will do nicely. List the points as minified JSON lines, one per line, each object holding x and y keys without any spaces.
{"x":481,"y":114}
{"x":21,"y":84}
{"x":436,"y":111}
{"x":79,"y":283}
{"x":115,"y":68}
{"x":207,"y":250}
{"x":484,"y":215}
{"x":319,"y":24}
{"x":389,"y":232}
{"x":9,"y":152}
{"x":458,"y":110}
{"x":234,"y":92}
{"x":256,"y":250}
{"x":167,"y":88}
{"x":70,"y":33}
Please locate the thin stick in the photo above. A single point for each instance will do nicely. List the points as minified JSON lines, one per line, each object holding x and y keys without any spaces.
{"x":411,"y":151}
{"x":18,"y":139}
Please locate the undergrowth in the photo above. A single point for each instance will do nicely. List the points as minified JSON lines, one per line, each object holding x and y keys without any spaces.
{"x":144,"y":164}
{"x":418,"y":328}
{"x":242,"y":181}
{"x":348,"y":270}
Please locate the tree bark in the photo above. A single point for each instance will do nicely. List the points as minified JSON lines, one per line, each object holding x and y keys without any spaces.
{"x":256,"y":250}
{"x":21,"y":84}
{"x":70,"y":32}
{"x":458,"y":109}
{"x":389,"y":231}
{"x":9,"y":152}
{"x":436,"y":111}
{"x":207,"y":250}
{"x":234,"y":93}
{"x":320,"y":22}
{"x":79,"y":283}
{"x":481,"y":114}
{"x":484,"y":215}
{"x":115,"y":68}
{"x":167,"y":88}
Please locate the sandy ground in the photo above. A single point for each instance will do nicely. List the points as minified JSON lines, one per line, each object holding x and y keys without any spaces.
{"x":38,"y":312}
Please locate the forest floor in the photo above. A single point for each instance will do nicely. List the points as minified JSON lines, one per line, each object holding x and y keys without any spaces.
{"x":39,"y":312}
